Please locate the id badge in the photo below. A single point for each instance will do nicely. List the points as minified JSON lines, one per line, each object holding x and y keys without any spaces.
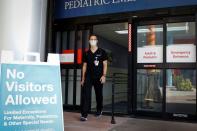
{"x":96,"y":62}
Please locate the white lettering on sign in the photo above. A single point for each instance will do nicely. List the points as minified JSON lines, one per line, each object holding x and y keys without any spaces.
{"x":21,"y":100}
{"x":73,"y":4}
{"x":13,"y":74}
{"x":150,"y":54}
{"x":181,"y":53}
{"x":13,"y":86}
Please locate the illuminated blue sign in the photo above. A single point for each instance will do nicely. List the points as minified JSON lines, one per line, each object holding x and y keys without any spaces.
{"x":76,"y":8}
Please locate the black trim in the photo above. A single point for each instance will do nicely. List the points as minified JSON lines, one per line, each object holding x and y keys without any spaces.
{"x":48,"y":31}
{"x":166,"y":65}
{"x":196,"y":58}
{"x":66,"y":87}
{"x":134,"y":68}
{"x":75,"y":69}
{"x":61,"y":43}
{"x":164,"y":70}
{"x":130,"y":72}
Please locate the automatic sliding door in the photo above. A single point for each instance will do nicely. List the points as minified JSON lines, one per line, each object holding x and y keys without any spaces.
{"x":181,"y":82}
{"x":166,"y":84}
{"x":149,"y":81}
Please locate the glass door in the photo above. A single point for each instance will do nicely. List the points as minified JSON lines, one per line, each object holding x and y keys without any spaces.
{"x":166,"y":67}
{"x":181,"y":76}
{"x":149,"y":81}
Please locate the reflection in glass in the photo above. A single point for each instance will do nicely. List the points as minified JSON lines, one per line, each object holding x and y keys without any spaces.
{"x":181,"y":42}
{"x":181,"y":91}
{"x":149,"y":89}
{"x":78,"y":87}
{"x":150,"y":44}
{"x":63,"y":79}
{"x":70,"y":86}
{"x":58,"y":42}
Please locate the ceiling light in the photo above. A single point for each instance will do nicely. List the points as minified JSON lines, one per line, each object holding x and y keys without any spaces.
{"x":122,"y":32}
{"x":180,"y":28}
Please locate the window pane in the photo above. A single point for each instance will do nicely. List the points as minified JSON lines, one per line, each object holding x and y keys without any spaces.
{"x":70,"y":86}
{"x":78,"y":87}
{"x":149,"y":89}
{"x":181,"y":91}
{"x":63,"y":79}
{"x":68,"y":44}
{"x":150,"y":44}
{"x":58,"y":42}
{"x":181,"y":42}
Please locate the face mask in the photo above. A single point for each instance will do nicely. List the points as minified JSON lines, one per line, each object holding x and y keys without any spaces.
{"x":93,"y":42}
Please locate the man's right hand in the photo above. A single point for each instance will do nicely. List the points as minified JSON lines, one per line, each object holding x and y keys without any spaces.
{"x":82,"y":81}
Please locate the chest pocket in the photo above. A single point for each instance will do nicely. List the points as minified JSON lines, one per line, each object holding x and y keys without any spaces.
{"x":98,"y":56}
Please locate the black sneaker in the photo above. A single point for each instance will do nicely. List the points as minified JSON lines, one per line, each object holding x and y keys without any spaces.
{"x":98,"y":114}
{"x":83,"y":118}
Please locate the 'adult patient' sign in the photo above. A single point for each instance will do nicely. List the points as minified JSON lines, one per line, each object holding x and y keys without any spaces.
{"x":30,"y":97}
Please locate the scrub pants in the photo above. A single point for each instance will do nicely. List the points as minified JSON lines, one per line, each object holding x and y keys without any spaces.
{"x":86,"y":95}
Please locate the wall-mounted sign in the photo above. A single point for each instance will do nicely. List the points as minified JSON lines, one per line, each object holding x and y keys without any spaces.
{"x":67,"y":57}
{"x":150,"y":54}
{"x":76,"y":8}
{"x":181,"y":53}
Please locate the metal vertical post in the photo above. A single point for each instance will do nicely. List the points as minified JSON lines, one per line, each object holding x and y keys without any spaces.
{"x":113,"y":92}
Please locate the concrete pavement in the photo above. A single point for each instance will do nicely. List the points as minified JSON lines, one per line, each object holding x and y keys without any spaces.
{"x":72,"y":123}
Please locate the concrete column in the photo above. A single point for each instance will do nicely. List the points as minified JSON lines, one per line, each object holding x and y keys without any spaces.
{"x":22,"y":26}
